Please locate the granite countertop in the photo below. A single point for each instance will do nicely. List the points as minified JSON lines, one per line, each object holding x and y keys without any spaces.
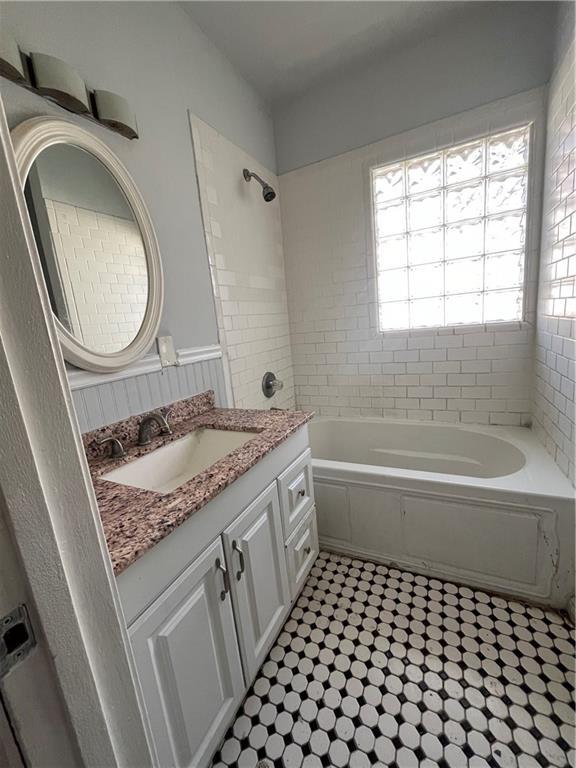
{"x":134,"y":519}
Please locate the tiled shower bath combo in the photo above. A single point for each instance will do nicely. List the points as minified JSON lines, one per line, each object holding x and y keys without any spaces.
{"x":381,"y":667}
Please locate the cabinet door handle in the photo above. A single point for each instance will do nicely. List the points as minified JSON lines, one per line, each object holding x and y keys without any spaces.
{"x":236,"y":547}
{"x":225,"y":577}
{"x":307,"y":551}
{"x":302,"y":492}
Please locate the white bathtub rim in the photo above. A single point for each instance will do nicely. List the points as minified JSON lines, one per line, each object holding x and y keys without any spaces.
{"x":349,"y":472}
{"x":540,"y":475}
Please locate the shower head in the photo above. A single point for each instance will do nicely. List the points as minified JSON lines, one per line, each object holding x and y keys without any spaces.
{"x":267,"y":192}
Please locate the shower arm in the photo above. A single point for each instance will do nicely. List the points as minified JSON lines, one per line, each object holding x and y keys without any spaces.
{"x":268,"y":192}
{"x":251,"y":175}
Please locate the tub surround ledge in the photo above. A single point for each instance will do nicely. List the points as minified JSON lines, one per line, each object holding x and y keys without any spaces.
{"x":135,"y":519}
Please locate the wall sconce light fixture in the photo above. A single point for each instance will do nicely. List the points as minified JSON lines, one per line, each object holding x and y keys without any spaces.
{"x":114,"y":111}
{"x":59,"y":82}
{"x":11,"y":64}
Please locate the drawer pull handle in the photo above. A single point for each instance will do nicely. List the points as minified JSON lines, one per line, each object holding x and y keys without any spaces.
{"x":226,"y":579}
{"x":302,"y":492}
{"x":238,"y":549}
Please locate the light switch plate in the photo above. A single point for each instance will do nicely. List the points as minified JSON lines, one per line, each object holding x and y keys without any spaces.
{"x":167,"y":352}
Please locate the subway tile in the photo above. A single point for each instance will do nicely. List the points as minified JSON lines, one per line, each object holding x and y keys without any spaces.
{"x":450,"y":341}
{"x":434,"y":355}
{"x":476,"y":366}
{"x":447,"y":416}
{"x":418,"y":368}
{"x":461,"y":379}
{"x":433,"y":379}
{"x":420,"y":391}
{"x":435,"y":404}
{"x":474,"y":369}
{"x":475,"y":417}
{"x":448,"y":366}
{"x":407,"y":379}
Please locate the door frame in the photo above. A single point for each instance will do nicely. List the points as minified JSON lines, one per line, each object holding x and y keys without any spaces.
{"x":50,"y":512}
{"x":10,"y":754}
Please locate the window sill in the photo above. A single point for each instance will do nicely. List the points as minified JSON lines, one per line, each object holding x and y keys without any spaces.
{"x":457,"y":330}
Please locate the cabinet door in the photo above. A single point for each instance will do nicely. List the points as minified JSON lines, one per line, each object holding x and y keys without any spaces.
{"x":189,"y":664}
{"x":255,"y":554}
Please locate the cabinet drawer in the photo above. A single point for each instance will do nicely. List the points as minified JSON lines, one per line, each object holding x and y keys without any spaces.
{"x":301,"y":551}
{"x":296,"y":492}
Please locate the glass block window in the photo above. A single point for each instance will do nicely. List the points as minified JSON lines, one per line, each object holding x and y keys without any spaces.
{"x":450,"y":231}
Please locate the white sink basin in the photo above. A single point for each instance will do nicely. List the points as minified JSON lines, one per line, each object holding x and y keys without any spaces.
{"x":174,"y":464}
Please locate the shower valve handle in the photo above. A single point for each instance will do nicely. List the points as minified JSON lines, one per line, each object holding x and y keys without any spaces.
{"x":270,"y":384}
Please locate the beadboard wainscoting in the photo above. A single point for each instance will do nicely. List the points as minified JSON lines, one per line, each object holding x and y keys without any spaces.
{"x":144,"y":387}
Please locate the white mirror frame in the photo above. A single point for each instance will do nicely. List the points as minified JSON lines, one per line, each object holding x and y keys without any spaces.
{"x":30,"y":138}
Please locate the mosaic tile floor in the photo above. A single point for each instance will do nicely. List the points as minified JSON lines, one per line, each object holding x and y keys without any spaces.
{"x":381,"y":667}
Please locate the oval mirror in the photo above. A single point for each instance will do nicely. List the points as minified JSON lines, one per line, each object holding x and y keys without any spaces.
{"x":95,"y":242}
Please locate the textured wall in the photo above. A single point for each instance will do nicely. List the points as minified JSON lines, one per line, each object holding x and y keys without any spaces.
{"x":555,"y":369}
{"x":342,"y":364}
{"x":244,"y":237}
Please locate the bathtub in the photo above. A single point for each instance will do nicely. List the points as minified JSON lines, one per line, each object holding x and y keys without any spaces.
{"x":484,"y":506}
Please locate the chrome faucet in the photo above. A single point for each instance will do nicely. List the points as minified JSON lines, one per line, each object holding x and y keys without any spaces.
{"x":116,"y":448}
{"x":147,"y":425}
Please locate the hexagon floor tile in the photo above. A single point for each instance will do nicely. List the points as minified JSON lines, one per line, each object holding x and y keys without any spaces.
{"x":381,"y":667}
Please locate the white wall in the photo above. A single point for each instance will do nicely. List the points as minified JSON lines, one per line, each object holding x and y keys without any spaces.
{"x":153,"y":54}
{"x":244,"y":237}
{"x":498,"y":50}
{"x":342,"y":364}
{"x":555,"y":370}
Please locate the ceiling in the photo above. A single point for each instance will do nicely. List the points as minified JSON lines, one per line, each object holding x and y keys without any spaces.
{"x":285,"y":48}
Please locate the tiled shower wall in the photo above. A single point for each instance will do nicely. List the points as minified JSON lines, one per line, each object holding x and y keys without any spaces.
{"x":555,"y":369}
{"x":342,"y":364}
{"x":244,"y":241}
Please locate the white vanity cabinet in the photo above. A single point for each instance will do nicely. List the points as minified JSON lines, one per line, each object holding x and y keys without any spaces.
{"x":205,"y":604}
{"x":254,"y":549}
{"x":189,"y":663}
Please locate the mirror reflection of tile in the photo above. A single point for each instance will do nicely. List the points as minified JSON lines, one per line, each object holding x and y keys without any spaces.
{"x":102,"y":266}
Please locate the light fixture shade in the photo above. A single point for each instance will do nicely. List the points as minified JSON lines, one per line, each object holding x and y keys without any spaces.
{"x":11,"y":65}
{"x":60,"y":82}
{"x":114,"y":111}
